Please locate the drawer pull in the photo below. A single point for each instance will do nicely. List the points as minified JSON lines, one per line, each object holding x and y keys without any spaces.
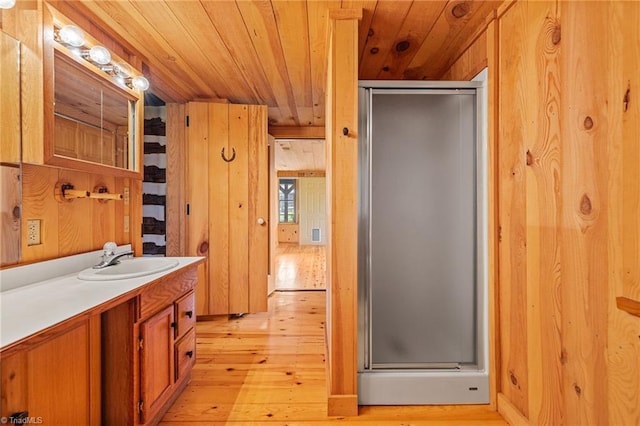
{"x":190,"y":354}
{"x":174,"y":324}
{"x":189,"y":314}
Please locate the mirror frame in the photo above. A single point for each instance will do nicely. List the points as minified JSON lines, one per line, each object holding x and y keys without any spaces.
{"x":136,"y":105}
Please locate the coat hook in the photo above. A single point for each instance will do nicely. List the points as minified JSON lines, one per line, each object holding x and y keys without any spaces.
{"x":233,"y":155}
{"x":345,"y":131}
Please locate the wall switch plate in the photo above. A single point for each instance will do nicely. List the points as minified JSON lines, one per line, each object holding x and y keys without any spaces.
{"x":33,"y":232}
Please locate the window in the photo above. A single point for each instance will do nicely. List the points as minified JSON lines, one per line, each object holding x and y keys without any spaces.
{"x":287,"y":200}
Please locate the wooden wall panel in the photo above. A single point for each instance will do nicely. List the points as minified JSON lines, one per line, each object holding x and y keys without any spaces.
{"x":568,"y":211}
{"x":10,"y":95}
{"x":288,"y":233}
{"x":10,"y":187}
{"x":623,"y":348}
{"x":542,"y":158}
{"x":471,"y":62}
{"x":38,"y":202}
{"x":584,"y":235}
{"x":176,"y":184}
{"x":628,"y":47}
{"x":76,"y":226}
{"x":512,"y":212}
{"x":103,"y":225}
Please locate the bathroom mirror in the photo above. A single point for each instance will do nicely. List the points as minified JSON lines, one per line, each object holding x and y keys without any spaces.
{"x":93,"y":117}
{"x":10,"y":151}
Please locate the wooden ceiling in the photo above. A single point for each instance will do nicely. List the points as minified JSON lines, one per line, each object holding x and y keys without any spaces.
{"x":300,"y":154}
{"x":273,"y":52}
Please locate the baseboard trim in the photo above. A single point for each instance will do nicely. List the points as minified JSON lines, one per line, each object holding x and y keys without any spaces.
{"x":342,"y":405}
{"x":510,"y":413}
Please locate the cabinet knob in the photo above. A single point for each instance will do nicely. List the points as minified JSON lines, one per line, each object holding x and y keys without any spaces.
{"x":174,"y":325}
{"x":190,"y":354}
{"x":261,"y":221}
{"x":189,"y":314}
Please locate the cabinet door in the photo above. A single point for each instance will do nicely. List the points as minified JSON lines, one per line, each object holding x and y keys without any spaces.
{"x":56,"y":381}
{"x":156,"y":362}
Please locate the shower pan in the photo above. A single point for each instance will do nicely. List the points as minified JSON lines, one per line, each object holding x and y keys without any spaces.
{"x":422,"y":291}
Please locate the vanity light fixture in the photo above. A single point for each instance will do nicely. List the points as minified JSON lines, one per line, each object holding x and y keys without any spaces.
{"x":98,"y":54}
{"x":71,"y":36}
{"x":140,"y":83}
{"x":7,"y":4}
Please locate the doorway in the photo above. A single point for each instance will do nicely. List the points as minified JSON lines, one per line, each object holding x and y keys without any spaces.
{"x":299,"y":212}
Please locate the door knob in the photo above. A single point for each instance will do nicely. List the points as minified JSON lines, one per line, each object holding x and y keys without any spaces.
{"x":261,"y":221}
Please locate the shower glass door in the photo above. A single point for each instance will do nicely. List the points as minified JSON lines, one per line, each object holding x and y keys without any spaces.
{"x":419,"y":234}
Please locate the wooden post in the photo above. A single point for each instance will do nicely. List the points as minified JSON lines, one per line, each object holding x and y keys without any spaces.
{"x":342,"y":180}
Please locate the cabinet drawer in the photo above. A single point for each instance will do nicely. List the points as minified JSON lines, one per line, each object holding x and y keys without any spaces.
{"x":185,"y":354}
{"x":185,"y":314}
{"x":167,"y":289}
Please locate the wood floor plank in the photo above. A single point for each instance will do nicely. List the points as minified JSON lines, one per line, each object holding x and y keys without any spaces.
{"x":269,"y":369}
{"x":300,"y":267}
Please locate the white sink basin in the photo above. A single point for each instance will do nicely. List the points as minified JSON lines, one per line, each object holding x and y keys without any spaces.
{"x":129,"y":268}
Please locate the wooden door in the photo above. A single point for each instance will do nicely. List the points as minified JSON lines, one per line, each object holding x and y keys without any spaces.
{"x":248,"y":209}
{"x":156,"y":361}
{"x":229,"y":205}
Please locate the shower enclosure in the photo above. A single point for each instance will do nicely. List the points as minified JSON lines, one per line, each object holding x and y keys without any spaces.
{"x":422,"y":256}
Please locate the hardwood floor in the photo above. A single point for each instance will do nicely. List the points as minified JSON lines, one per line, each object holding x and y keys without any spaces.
{"x":300,"y":267}
{"x":269,"y":369}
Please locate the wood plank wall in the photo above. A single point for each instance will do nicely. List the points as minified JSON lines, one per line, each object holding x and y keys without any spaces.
{"x":568,"y":168}
{"x":76,"y":226}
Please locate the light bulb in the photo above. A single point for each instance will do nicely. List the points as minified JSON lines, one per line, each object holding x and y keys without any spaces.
{"x":71,"y":35}
{"x":140,"y":83}
{"x":7,"y":4}
{"x":99,"y":55}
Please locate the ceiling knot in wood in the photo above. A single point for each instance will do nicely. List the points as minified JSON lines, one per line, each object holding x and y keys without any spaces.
{"x":460,"y":9}
{"x":402,"y":46}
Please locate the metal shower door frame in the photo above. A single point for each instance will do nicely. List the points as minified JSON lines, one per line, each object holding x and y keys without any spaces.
{"x":367,"y":370}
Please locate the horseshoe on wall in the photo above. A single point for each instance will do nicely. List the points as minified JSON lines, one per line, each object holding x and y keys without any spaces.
{"x":233,"y":155}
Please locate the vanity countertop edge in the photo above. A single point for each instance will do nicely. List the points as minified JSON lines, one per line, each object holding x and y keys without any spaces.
{"x":34,"y":308}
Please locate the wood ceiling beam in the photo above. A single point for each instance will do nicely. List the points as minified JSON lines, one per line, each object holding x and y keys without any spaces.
{"x":294,"y":132}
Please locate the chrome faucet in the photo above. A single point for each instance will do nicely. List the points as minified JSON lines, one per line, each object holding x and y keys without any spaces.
{"x":109,"y":256}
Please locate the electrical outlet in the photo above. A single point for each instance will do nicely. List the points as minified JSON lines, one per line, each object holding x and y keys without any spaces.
{"x":33,"y":232}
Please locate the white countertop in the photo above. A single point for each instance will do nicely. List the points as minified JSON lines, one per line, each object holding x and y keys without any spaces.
{"x":31,"y":308}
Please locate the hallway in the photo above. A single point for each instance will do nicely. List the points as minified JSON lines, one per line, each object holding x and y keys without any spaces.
{"x":270,"y":369}
{"x":300,"y":267}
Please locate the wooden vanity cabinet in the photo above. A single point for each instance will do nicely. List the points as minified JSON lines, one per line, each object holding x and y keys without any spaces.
{"x":122,"y":363}
{"x":54,"y":378}
{"x":149,"y":350}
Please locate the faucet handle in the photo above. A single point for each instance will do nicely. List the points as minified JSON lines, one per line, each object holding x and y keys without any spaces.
{"x":109,"y":248}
